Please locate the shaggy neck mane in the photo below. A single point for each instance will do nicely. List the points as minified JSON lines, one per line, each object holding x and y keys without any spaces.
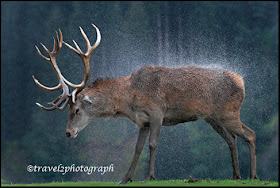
{"x":115,"y":89}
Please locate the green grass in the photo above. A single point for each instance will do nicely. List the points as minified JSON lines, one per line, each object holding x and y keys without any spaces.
{"x":168,"y":183}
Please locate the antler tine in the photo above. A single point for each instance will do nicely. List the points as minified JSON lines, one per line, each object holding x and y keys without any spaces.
{"x":45,"y":108}
{"x":57,"y":38}
{"x":69,"y":46}
{"x":53,"y":44}
{"x":59,"y":42}
{"x":85,"y":58}
{"x":78,"y":48}
{"x":86,"y":39}
{"x":44,"y":57}
{"x":46,"y":49}
{"x":45,"y":87}
{"x":98,"y":40}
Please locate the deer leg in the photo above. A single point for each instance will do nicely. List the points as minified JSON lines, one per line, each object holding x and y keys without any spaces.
{"x":231,"y":140}
{"x":143,"y":133}
{"x":234,"y":157}
{"x":155,"y":127}
{"x":249,"y":136}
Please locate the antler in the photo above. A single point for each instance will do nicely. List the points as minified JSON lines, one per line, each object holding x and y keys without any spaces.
{"x":65,"y":96}
{"x":52,"y":60}
{"x":85,"y":58}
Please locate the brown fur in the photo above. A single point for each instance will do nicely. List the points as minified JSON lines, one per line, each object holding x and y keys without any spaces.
{"x":181,"y":93}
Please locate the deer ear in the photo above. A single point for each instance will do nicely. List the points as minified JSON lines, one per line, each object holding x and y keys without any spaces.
{"x":86,"y":100}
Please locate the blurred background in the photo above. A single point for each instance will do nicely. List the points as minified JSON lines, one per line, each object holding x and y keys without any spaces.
{"x":239,"y":36}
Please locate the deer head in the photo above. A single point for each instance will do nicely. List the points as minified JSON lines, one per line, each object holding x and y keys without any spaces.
{"x":78,"y":117}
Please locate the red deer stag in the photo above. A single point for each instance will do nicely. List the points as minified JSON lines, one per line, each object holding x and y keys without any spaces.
{"x":154,"y":96}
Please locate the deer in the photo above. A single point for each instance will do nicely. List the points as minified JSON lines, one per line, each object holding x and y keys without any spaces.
{"x":152,"y":97}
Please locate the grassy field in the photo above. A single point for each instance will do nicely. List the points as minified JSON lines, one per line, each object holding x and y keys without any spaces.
{"x":168,"y":183}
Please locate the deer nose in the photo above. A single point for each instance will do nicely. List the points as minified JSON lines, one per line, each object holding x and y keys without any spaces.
{"x":68,"y":134}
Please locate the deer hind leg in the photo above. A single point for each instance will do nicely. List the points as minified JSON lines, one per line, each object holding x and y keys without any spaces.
{"x":231,"y":140}
{"x":249,"y":136}
{"x":235,"y":126}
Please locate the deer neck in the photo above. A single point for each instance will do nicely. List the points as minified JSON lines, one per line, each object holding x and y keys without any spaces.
{"x":121,"y":97}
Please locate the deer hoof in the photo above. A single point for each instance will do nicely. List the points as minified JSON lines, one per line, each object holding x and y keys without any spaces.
{"x":236,"y":177}
{"x":254,"y":177}
{"x":150,"y":177}
{"x":125,"y":180}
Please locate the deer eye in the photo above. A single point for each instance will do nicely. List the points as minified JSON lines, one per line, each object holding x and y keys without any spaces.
{"x":77,"y":110}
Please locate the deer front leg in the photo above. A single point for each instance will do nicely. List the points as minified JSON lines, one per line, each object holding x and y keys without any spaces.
{"x":155,"y":127}
{"x":143,"y":133}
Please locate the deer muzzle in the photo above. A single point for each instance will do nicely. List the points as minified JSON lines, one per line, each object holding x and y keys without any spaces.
{"x":71,"y":133}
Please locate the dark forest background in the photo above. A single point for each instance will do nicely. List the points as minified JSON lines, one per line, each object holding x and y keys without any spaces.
{"x":239,"y":36}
